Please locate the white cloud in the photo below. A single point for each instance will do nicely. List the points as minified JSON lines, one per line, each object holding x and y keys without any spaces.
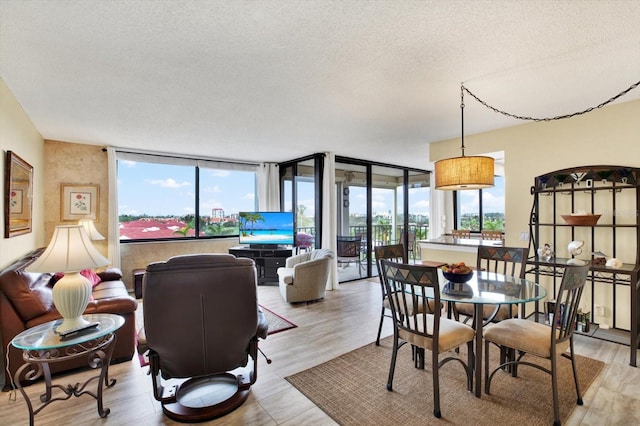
{"x":167,"y":183}
{"x":212,"y":189}
{"x":250,"y":196}
{"x":128,"y":163}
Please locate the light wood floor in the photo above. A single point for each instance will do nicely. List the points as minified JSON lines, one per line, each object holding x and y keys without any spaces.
{"x":345,"y":320}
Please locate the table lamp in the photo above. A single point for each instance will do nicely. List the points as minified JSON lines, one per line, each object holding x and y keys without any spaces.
{"x":70,"y":251}
{"x":90,"y":227}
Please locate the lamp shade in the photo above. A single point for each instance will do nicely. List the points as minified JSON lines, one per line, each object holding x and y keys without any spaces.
{"x":70,"y":251}
{"x":90,"y":227}
{"x":460,"y":173}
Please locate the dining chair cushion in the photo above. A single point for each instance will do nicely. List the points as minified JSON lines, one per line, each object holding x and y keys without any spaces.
{"x":524,"y":335}
{"x":487,"y":310}
{"x":452,"y":334}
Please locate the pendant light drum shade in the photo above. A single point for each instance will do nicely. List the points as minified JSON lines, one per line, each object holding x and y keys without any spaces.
{"x":458,"y":173}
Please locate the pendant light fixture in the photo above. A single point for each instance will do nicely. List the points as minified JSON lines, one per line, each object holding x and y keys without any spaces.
{"x":464,"y":172}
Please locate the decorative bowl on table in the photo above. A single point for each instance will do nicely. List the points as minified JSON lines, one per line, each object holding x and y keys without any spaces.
{"x":457,"y":272}
{"x":581,"y":219}
{"x":457,"y":277}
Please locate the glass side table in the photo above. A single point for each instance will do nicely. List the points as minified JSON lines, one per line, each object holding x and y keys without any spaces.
{"x":41,"y":346}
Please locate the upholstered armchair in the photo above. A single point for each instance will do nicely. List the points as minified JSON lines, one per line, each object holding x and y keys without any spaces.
{"x":202,"y":321}
{"x":304,"y":277}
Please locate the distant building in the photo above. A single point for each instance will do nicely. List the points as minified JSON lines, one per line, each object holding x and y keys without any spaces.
{"x":217,"y":213}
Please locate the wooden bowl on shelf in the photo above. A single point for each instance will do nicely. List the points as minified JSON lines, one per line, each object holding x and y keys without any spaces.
{"x":581,"y":219}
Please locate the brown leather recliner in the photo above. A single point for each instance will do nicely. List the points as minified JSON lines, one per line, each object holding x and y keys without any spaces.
{"x":201,"y":321}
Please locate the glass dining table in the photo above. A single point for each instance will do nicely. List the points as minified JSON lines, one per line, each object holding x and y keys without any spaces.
{"x":488,"y":288}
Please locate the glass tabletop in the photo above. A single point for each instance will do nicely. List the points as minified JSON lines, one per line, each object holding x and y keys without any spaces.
{"x":492,"y":288}
{"x":43,"y":336}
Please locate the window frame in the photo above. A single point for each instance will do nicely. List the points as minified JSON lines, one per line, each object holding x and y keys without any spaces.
{"x":197,"y":164}
{"x":481,"y":213}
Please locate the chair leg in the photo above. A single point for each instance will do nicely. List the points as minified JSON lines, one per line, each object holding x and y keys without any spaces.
{"x":392,"y":368}
{"x":470,"y":364}
{"x":554,"y":389}
{"x":487,"y":384}
{"x":436,"y":384}
{"x":380,"y":327}
{"x":575,"y":375}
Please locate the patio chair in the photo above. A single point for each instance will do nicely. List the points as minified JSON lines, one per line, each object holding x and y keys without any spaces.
{"x":201,"y":321}
{"x":348,"y":251}
{"x":411,"y":285}
{"x":412,"y":246}
{"x":541,"y":340}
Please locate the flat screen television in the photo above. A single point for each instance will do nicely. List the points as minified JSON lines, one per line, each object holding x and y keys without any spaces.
{"x":260,"y":229}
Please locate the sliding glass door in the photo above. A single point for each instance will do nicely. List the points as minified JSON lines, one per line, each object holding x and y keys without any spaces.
{"x":372,"y":207}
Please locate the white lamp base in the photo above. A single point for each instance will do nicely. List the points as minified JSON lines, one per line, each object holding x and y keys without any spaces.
{"x":70,"y":296}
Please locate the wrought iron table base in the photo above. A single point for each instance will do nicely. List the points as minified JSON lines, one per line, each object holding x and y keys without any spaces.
{"x":98,"y":352}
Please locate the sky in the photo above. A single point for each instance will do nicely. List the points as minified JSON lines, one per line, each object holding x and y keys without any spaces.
{"x":170,"y":190}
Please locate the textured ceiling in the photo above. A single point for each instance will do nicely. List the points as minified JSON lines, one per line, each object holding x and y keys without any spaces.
{"x":277,"y":80}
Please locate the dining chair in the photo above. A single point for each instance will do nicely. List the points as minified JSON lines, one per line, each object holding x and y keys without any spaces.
{"x":411,"y":285}
{"x":504,"y":260}
{"x":395,"y":253}
{"x":541,"y":340}
{"x":348,"y":251}
{"x":461,"y":233}
{"x":491,"y":235}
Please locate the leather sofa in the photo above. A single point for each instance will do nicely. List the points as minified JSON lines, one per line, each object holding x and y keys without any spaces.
{"x":26,"y":301}
{"x":304,"y":277}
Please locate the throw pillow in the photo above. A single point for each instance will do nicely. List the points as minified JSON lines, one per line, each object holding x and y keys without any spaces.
{"x":91,"y":275}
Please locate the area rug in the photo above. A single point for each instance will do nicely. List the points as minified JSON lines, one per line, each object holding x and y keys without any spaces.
{"x":276,"y":322}
{"x":276,"y":325}
{"x":351,"y":389}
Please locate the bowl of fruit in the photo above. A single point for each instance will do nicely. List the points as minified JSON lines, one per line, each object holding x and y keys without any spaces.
{"x":457,"y":272}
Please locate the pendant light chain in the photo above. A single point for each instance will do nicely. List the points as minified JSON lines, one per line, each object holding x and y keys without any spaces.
{"x":462,"y":88}
{"x":557,"y":117}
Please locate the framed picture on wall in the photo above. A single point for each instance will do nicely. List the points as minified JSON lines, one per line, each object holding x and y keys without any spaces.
{"x":79,"y":202}
{"x":18,"y":196}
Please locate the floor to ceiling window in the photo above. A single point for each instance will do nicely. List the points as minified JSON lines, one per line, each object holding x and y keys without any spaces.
{"x":300,"y":189}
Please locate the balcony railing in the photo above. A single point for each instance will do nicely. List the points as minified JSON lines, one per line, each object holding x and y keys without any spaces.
{"x":381,"y":234}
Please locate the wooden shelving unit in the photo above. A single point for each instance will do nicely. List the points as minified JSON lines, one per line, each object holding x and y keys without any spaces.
{"x":614,"y":193}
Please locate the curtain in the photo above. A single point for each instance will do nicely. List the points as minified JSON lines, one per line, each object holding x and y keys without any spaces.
{"x":329,"y":220}
{"x":268,"y":177}
{"x":438,"y":218}
{"x":113,"y":237}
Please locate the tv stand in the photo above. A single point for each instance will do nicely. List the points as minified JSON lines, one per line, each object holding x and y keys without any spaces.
{"x":268,"y":259}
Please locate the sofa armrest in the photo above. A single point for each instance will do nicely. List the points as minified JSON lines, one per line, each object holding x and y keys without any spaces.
{"x":285,"y":275}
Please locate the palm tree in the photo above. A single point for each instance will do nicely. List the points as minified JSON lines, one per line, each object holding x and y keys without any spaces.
{"x":253,"y":218}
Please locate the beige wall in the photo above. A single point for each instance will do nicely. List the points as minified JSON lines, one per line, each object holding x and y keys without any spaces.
{"x":76,"y":164}
{"x":87,"y":164}
{"x":18,"y":134}
{"x":139,"y":255}
{"x":607,"y":136}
